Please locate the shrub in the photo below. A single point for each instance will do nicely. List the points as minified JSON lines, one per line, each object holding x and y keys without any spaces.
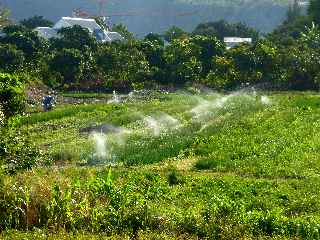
{"x":11,"y":95}
{"x":174,"y":177}
{"x":17,"y":151}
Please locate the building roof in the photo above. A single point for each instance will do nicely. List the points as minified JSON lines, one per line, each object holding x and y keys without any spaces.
{"x":99,"y":33}
{"x":237,"y":40}
{"x":114,"y":36}
{"x":90,"y":24}
{"x":47,"y":32}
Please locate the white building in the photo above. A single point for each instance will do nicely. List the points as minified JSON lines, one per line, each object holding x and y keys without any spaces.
{"x":234,"y":41}
{"x":101,"y":34}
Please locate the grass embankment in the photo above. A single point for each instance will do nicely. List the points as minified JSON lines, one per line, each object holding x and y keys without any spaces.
{"x":239,"y":166}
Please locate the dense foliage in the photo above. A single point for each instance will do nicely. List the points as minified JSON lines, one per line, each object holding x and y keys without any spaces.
{"x":16,"y":150}
{"x":222,"y":29}
{"x":285,"y":59}
{"x":36,"y":21}
{"x":11,"y":95}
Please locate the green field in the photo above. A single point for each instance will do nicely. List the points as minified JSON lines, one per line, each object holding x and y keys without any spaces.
{"x":242,"y":165}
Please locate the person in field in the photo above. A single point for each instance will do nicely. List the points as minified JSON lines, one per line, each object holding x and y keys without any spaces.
{"x":48,"y":103}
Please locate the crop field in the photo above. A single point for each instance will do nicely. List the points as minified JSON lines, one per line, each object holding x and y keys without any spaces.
{"x":156,"y":165}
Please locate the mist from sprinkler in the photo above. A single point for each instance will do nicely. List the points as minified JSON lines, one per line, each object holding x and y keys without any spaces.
{"x":163,"y":123}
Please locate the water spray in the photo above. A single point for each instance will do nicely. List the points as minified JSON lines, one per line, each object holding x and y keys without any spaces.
{"x":266,"y":100}
{"x":100,"y":141}
{"x":115,"y":98}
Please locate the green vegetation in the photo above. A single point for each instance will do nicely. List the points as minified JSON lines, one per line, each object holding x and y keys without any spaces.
{"x":77,"y":62}
{"x":36,"y":21}
{"x":4,"y":17}
{"x":11,"y":95}
{"x":242,"y":165}
{"x":152,"y":164}
{"x":222,"y":29}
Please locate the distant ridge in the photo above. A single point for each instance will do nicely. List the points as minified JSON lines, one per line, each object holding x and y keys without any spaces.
{"x":264,"y":15}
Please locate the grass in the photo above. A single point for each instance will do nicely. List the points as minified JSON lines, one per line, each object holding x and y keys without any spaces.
{"x":228,"y":167}
{"x":87,"y":95}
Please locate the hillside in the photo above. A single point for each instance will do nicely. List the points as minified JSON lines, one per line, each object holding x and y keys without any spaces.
{"x":157,"y":16}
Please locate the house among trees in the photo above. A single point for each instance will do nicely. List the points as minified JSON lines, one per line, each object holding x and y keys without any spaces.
{"x":102,"y":35}
{"x":234,"y":41}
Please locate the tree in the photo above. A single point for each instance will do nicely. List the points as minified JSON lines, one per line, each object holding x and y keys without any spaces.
{"x":221,"y":29}
{"x":207,"y":29}
{"x":209,"y":47}
{"x":25,"y":40}
{"x":4,"y":17}
{"x":175,"y":33}
{"x":123,"y":64}
{"x":294,"y":11}
{"x":314,"y":10}
{"x":11,"y":59}
{"x":123,"y":30}
{"x":311,"y":37}
{"x":304,"y":70}
{"x":154,"y":37}
{"x":266,"y":57}
{"x":36,"y":21}
{"x":153,"y":52}
{"x":288,"y":32}
{"x":101,"y":22}
{"x":153,"y":49}
{"x":182,"y":62}
{"x":75,"y":37}
{"x":68,"y":63}
{"x":14,"y":28}
{"x":223,"y":75}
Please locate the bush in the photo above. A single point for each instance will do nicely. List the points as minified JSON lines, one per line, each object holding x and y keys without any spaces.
{"x":174,"y":177}
{"x":11,"y":94}
{"x":17,"y":151}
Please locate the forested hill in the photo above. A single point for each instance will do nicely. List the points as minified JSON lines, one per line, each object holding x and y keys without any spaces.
{"x":158,"y":15}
